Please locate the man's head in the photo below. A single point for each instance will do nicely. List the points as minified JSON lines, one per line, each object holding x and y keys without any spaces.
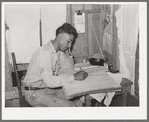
{"x":66,"y":34}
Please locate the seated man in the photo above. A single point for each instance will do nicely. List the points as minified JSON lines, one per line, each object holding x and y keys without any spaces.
{"x":42,"y":83}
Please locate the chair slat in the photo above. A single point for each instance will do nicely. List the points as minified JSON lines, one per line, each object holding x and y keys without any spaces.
{"x":17,"y":78}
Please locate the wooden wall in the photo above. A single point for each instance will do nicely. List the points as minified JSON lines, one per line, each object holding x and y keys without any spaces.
{"x":86,"y":44}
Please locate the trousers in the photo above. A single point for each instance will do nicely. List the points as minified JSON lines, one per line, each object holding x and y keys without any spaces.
{"x":50,"y":98}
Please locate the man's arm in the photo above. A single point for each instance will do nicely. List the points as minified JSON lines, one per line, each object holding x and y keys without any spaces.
{"x":47,"y":72}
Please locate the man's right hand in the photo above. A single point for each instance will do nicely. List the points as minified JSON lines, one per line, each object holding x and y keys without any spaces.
{"x":81,"y":75}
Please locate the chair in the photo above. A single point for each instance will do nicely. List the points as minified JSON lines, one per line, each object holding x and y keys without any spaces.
{"x":22,"y":101}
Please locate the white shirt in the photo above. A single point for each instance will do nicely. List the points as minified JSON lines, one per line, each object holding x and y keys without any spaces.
{"x":44,"y":62}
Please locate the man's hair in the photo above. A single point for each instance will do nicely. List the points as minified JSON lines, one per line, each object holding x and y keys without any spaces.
{"x":67,"y":28}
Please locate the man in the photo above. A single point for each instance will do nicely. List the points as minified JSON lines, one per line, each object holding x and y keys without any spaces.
{"x":43,"y":84}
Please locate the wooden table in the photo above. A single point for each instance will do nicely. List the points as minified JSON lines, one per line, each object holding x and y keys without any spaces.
{"x":124,"y":90}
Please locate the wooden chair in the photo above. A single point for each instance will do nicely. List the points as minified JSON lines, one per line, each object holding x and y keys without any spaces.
{"x":22,"y":101}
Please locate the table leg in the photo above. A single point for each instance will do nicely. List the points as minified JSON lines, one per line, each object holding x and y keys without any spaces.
{"x":87,"y":100}
{"x":124,"y":99}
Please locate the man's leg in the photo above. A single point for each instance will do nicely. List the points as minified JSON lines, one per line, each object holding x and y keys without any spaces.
{"x":47,"y":98}
{"x":60,"y":93}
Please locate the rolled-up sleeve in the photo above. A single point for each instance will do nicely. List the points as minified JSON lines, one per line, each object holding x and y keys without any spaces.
{"x":47,"y":72}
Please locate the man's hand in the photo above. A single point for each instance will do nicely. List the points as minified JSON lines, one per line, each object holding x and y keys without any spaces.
{"x":81,"y":75}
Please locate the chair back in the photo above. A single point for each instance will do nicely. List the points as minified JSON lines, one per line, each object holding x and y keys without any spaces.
{"x":17,"y":78}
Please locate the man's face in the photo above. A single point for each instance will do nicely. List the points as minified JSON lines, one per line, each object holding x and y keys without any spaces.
{"x":65,"y":41}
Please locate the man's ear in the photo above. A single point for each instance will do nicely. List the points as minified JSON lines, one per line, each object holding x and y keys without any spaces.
{"x":60,"y":36}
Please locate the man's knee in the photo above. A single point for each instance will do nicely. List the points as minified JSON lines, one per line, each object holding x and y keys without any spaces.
{"x":64,"y":103}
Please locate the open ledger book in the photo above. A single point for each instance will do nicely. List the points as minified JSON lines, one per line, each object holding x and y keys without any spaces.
{"x":97,"y":81}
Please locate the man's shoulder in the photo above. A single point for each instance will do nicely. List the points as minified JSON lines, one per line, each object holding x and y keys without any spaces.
{"x":46,"y":47}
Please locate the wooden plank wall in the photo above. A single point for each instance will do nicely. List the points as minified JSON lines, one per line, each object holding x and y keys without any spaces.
{"x":86,"y":43}
{"x":80,"y":48}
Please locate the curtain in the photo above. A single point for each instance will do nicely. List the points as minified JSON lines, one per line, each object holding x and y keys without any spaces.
{"x":127,"y":24}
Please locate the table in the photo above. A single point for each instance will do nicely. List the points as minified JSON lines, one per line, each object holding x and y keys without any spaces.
{"x":124,"y":90}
